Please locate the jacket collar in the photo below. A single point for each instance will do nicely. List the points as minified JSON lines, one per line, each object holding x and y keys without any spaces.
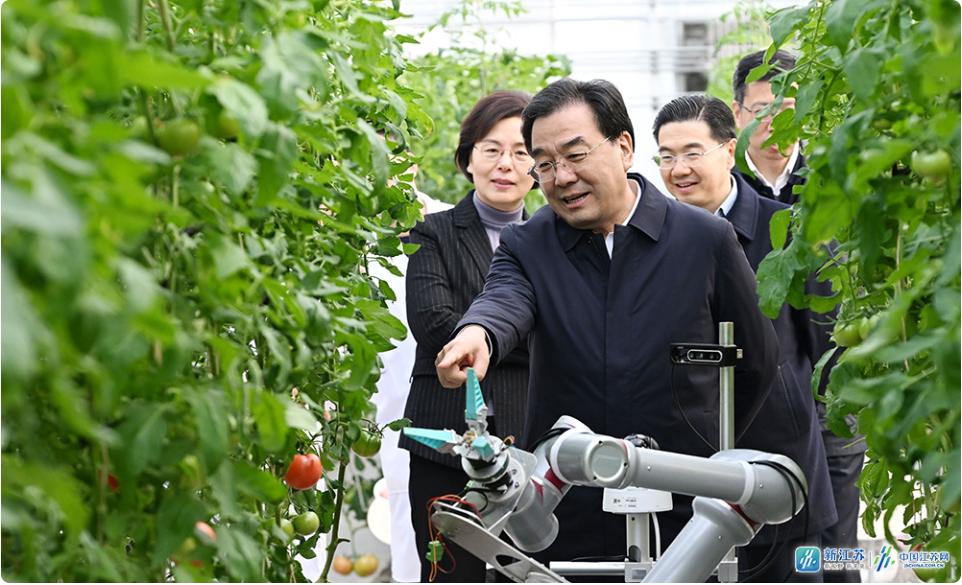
{"x":465,"y":213}
{"x":744,"y":213}
{"x":649,"y":217}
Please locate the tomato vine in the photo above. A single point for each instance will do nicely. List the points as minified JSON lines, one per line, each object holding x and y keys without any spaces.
{"x":878,"y":102}
{"x":192,"y":194}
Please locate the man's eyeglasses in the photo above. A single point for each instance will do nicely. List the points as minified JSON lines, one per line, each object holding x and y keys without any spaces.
{"x":545,"y":171}
{"x":768,"y":117}
{"x":691,"y":159}
{"x":493,"y":153}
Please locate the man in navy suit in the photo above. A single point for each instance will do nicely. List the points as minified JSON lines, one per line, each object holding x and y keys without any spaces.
{"x":696,"y":154}
{"x":600,"y":282}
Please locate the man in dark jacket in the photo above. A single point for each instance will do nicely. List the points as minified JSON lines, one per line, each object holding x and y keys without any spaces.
{"x":601,"y":282}
{"x":696,"y":153}
{"x":775,"y":171}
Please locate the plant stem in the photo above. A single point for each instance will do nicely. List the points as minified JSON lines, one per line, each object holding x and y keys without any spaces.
{"x":338,"y":504}
{"x":145,"y":112}
{"x":140,"y":21}
{"x":165,"y":18}
{"x":174,"y":186}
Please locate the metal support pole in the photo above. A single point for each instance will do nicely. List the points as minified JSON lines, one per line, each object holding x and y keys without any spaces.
{"x":638,"y":550}
{"x":726,"y":424}
{"x":726,"y":384}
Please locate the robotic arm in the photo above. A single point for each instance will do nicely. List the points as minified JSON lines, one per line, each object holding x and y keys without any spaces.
{"x":737,"y":492}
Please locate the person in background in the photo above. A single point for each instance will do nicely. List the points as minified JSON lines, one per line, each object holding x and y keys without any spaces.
{"x":444,"y":275}
{"x":391,"y":396}
{"x":775,"y":172}
{"x":696,"y":153}
{"x":775,"y":177}
{"x":601,"y":282}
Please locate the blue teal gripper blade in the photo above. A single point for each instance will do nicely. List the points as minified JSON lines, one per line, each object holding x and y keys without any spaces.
{"x":473,"y":399}
{"x":483,"y":447}
{"x":433,"y":438}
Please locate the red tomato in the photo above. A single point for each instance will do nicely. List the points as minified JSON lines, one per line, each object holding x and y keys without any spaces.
{"x":205,"y":533}
{"x":304,"y":471}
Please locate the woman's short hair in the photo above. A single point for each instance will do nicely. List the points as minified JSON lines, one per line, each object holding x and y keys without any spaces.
{"x":489,"y":110}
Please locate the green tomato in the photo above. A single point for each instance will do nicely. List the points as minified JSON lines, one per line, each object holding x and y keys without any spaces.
{"x":186,"y":547}
{"x":138,"y":128}
{"x":932,"y":165}
{"x":306,"y":524}
{"x":179,"y":137}
{"x":287,"y":527}
{"x":867,"y":324}
{"x":227,"y":126}
{"x":846,"y":334}
{"x":366,"y":565}
{"x":368,"y":444}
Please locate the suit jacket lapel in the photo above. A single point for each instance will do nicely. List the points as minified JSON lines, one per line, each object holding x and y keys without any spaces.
{"x":471,"y":234}
{"x":744,"y":213}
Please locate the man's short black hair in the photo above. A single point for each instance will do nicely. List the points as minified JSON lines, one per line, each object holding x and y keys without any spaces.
{"x":604,"y":99}
{"x":782,"y":61}
{"x":698,"y":107}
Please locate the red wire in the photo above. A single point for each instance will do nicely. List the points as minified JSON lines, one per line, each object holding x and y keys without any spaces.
{"x":435,"y":567}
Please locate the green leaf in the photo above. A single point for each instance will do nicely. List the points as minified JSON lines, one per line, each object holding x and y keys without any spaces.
{"x":785,"y":21}
{"x":298,"y":417}
{"x":20,"y":324}
{"x":50,"y":213}
{"x":120,"y":11}
{"x":244,"y":103}
{"x":862,"y":68}
{"x":258,"y":483}
{"x":399,"y":424}
{"x":272,"y":427}
{"x":150,"y":70}
{"x":805,"y":98}
{"x":380,"y":156}
{"x":228,"y":257}
{"x":142,"y":289}
{"x":276,"y":154}
{"x":231,"y":166}
{"x":778,"y":228}
{"x":244,"y":557}
{"x":744,"y":138}
{"x":175,"y":519}
{"x":143,"y":433}
{"x":224,"y":487}
{"x":840,"y":19}
{"x":213,"y":429}
{"x":55,"y":483}
{"x":775,"y":275}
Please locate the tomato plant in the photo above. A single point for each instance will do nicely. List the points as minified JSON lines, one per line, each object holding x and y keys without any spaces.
{"x":183,"y":302}
{"x":875,"y":82}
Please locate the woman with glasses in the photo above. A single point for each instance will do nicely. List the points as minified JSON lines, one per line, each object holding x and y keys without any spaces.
{"x":444,"y":275}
